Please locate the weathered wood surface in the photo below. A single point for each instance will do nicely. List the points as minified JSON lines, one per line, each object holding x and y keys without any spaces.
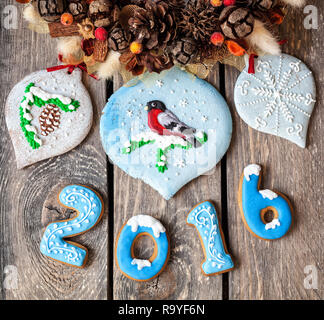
{"x":28,"y":196}
{"x":264,"y":270}
{"x":275,"y":270}
{"x":182,"y":277}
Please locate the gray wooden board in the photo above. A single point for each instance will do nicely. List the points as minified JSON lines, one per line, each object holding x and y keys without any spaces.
{"x":182,"y":277}
{"x":275,"y":270}
{"x":264,"y":270}
{"x":28,"y":197}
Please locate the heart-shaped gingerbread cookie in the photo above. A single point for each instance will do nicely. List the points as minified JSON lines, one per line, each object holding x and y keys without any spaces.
{"x":166,"y":129}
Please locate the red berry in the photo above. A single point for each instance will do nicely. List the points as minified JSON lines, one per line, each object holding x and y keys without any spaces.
{"x":217,"y":39}
{"x":229,"y":2}
{"x":101,"y":34}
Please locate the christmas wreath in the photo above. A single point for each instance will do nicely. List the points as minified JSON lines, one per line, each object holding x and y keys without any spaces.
{"x":134,"y":36}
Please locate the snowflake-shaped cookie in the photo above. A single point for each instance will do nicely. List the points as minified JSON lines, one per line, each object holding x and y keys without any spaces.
{"x":278,"y":99}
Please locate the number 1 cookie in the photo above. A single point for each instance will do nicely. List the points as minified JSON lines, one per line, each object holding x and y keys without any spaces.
{"x":255,"y":204}
{"x":204,"y":218}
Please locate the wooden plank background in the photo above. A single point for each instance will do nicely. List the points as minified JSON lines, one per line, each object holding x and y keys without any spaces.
{"x":263,"y":270}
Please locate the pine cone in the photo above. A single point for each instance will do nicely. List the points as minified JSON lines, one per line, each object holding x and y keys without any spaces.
{"x":78,"y":8}
{"x":198,"y":21}
{"x":50,"y":10}
{"x":155,"y":63}
{"x":236,"y":22}
{"x":118,"y":40}
{"x":100,"y":13}
{"x":184,"y":51}
{"x":49,"y":119}
{"x":154,"y":25}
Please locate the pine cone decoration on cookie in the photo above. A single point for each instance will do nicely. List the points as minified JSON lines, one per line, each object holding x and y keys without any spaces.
{"x":49,"y":119}
{"x":50,"y":10}
{"x":198,"y":21}
{"x":184,"y":51}
{"x":100,"y":13}
{"x":154,"y":25}
{"x":236,"y":22}
{"x":78,"y":8}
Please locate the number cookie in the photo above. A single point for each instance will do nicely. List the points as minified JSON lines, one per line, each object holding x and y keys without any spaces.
{"x":204,"y":218}
{"x":90,"y":208}
{"x":138,"y":269}
{"x":255,"y":204}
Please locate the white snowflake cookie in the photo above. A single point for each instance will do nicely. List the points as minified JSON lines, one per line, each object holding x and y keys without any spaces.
{"x":278,"y":99}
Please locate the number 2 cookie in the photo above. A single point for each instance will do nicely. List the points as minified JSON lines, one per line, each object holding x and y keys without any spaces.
{"x":89,"y":206}
{"x":256,"y":204}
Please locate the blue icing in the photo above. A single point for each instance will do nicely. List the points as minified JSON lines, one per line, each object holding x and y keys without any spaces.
{"x":125,"y":259}
{"x":89,"y":206}
{"x":193,"y":101}
{"x":252,"y":204}
{"x":204,"y":218}
{"x":278,"y":99}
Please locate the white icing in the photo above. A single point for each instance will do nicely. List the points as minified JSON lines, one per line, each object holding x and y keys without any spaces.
{"x":160,"y":140}
{"x":141,"y":263}
{"x":30,"y":128}
{"x":273,"y":224}
{"x":251,"y":169}
{"x":47,"y":96}
{"x":269,"y":194}
{"x":146,"y":221}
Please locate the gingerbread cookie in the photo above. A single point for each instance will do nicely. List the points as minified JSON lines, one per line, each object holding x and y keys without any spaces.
{"x":166,"y":129}
{"x":89,"y":206}
{"x":265,"y":213}
{"x":47,"y":114}
{"x":217,"y":260}
{"x":139,"y":269}
{"x":278,"y":99}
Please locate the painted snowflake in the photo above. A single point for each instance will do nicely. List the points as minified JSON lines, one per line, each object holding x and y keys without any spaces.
{"x":278,"y":99}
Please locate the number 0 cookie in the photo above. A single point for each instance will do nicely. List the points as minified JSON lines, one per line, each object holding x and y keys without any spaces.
{"x":139,"y":269}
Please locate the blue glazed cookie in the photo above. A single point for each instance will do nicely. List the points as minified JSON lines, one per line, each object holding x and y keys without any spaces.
{"x":141,"y":269}
{"x":166,"y":129}
{"x":204,"y":218}
{"x":255,"y":204}
{"x":278,"y":99}
{"x":89,"y":206}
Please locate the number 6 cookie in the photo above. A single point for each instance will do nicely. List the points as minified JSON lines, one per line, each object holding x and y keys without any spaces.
{"x":256,"y":204}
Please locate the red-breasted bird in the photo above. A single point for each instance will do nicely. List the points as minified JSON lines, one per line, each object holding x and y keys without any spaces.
{"x":164,"y":122}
